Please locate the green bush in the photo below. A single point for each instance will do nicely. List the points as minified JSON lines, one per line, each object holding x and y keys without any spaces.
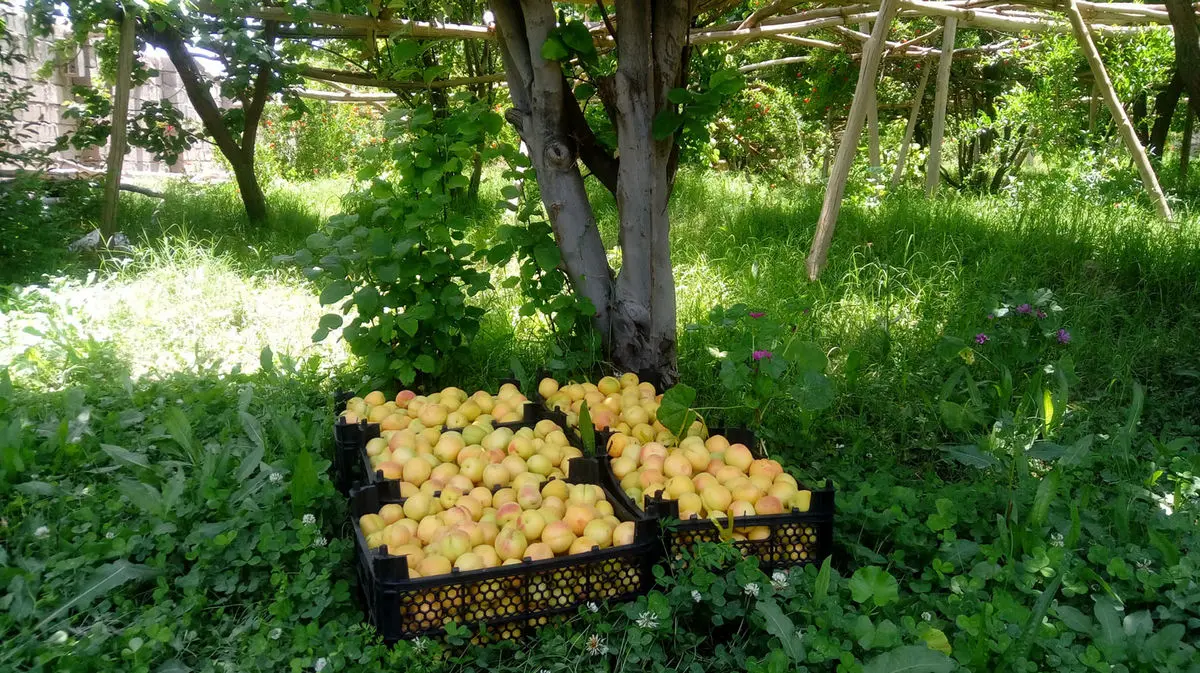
{"x":329,"y":139}
{"x":398,"y":267}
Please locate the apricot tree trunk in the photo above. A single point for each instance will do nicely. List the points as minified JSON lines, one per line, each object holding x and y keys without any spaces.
{"x":635,"y":309}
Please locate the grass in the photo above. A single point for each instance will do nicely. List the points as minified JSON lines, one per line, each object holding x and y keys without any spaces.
{"x":161,"y":355}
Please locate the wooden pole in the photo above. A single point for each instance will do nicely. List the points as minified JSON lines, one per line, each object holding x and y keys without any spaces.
{"x":872,"y":114}
{"x":120,"y":110}
{"x":913,"y":115}
{"x":836,"y":188}
{"x":1128,"y":134}
{"x":1185,"y":147}
{"x":933,"y":168}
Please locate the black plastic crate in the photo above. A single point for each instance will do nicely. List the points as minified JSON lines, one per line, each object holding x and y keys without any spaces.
{"x":350,"y":462}
{"x":510,"y":600}
{"x":792,"y":538}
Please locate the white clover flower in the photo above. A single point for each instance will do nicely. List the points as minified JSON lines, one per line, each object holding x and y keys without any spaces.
{"x":42,"y":531}
{"x":647,"y":620}
{"x":1000,"y":312}
{"x":779,"y":579}
{"x":276,"y":477}
{"x":595,"y":646}
{"x":58,"y":637}
{"x":109,"y":535}
{"x":420,"y":644}
{"x":309,"y":519}
{"x":1056,"y":539}
{"x":696,"y":596}
{"x":85,"y":491}
{"x":927,"y":616}
{"x":320,"y":665}
{"x":750,"y":589}
{"x":592,"y":607}
{"x":275,"y":633}
{"x":1144,"y":564}
{"x":320,"y":541}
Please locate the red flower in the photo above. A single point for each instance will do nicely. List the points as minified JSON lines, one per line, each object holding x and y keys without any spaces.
{"x":806,"y":100}
{"x":766,"y":110}
{"x":756,"y":105}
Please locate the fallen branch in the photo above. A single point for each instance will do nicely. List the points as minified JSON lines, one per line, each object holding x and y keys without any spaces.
{"x":76,"y":175}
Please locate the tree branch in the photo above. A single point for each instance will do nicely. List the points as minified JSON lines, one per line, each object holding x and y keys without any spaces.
{"x":262,"y":90}
{"x":171,"y":41}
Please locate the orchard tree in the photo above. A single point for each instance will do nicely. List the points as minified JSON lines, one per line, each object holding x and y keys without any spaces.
{"x":252,"y":69}
{"x":641,"y":94}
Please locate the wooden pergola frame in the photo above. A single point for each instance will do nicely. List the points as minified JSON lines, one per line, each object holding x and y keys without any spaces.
{"x":778,"y":21}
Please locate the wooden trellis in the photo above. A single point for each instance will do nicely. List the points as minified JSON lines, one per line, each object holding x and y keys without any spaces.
{"x":779,"y":21}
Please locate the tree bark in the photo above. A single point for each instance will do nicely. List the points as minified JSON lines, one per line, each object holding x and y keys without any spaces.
{"x":933,"y":167}
{"x":1138,"y":117}
{"x":636,"y":314}
{"x":1149,"y":179}
{"x":1187,"y":48}
{"x":913,"y":115}
{"x":1164,"y":113}
{"x":120,"y":110}
{"x":836,"y":188}
{"x":536,"y":89}
{"x":651,"y":41}
{"x":169,"y":39}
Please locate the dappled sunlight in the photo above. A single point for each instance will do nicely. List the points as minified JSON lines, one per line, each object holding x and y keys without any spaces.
{"x":188,"y":311}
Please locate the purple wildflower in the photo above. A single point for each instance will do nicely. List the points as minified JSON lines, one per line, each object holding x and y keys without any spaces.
{"x":981,"y":338}
{"x":1024,"y":309}
{"x":1041,"y":314}
{"x":1064,"y":337}
{"x":757,"y":314}
{"x":991,"y":317}
{"x":759,"y":355}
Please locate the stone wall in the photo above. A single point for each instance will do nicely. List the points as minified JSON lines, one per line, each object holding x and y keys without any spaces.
{"x":43,"y":116}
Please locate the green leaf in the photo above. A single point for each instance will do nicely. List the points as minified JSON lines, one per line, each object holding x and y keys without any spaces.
{"x":304,"y":484}
{"x":821,"y":585}
{"x":576,"y":36}
{"x":970,"y":455}
{"x":330,"y":321}
{"x":103,"y":580}
{"x":813,"y":392}
{"x":266,"y":359}
{"x":335,"y":291}
{"x":425,"y":363}
{"x":584,"y":91}
{"x":675,"y":410}
{"x":367,"y":301}
{"x":679,"y":96}
{"x":910,"y":659}
{"x":179,"y":428}
{"x":317,"y":241}
{"x":407,"y":324}
{"x":806,"y":355}
{"x":554,"y":49}
{"x":666,"y":123}
{"x":547,"y":255}
{"x":874,"y":584}
{"x":1046,"y":491}
{"x":587,"y":431}
{"x":1074,"y":619}
{"x":936,"y":639}
{"x":124,"y":456}
{"x":780,"y":626}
